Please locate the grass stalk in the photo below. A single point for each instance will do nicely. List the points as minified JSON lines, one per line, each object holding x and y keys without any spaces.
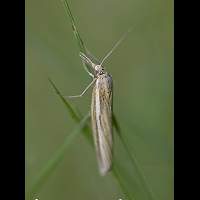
{"x":56,"y":159}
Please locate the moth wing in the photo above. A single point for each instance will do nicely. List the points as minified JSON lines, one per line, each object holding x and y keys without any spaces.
{"x":101,"y":116}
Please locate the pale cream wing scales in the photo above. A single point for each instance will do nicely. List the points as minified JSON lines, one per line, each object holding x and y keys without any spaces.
{"x":101,"y":116}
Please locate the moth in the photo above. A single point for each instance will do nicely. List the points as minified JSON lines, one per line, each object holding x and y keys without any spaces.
{"x":101,"y":109}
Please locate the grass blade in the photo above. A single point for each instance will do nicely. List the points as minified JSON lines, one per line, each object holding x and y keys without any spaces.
{"x":133,"y":160}
{"x":75,"y":31}
{"x":56,"y":158}
{"x":71,"y":110}
{"x":116,"y":125}
{"x":139,"y":173}
{"x":78,"y":38}
{"x":118,"y":178}
{"x":75,"y":116}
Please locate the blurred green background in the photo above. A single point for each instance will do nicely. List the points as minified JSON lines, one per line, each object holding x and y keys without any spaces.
{"x":142,"y":70}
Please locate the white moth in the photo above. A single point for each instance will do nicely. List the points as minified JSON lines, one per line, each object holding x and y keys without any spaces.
{"x":101,"y":110}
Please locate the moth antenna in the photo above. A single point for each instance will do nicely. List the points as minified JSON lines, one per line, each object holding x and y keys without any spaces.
{"x":93,"y":57}
{"x":116,"y":45}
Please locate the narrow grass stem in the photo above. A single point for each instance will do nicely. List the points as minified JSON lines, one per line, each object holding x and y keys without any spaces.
{"x":56,"y":158}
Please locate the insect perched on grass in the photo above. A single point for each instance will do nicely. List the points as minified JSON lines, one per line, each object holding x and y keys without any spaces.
{"x":101,"y":109}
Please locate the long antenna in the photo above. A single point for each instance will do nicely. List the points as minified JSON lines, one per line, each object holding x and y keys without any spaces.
{"x":116,"y":45}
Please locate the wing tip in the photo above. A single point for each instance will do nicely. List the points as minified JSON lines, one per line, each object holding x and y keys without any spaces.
{"x":105,"y":169}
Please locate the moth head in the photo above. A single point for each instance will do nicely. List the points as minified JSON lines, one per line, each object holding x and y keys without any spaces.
{"x":99,"y":69}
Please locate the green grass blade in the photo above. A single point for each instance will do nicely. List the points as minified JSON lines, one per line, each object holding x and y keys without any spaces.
{"x":116,"y":125}
{"x":71,"y":110}
{"x":75,"y":116}
{"x":56,"y":158}
{"x":139,"y":173}
{"x":133,"y":161}
{"x":118,"y":178}
{"x":75,"y":31}
{"x":81,"y":45}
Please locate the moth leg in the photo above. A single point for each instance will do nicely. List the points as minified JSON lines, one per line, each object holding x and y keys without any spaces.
{"x":85,"y":61}
{"x":86,"y":69}
{"x":84,"y":91}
